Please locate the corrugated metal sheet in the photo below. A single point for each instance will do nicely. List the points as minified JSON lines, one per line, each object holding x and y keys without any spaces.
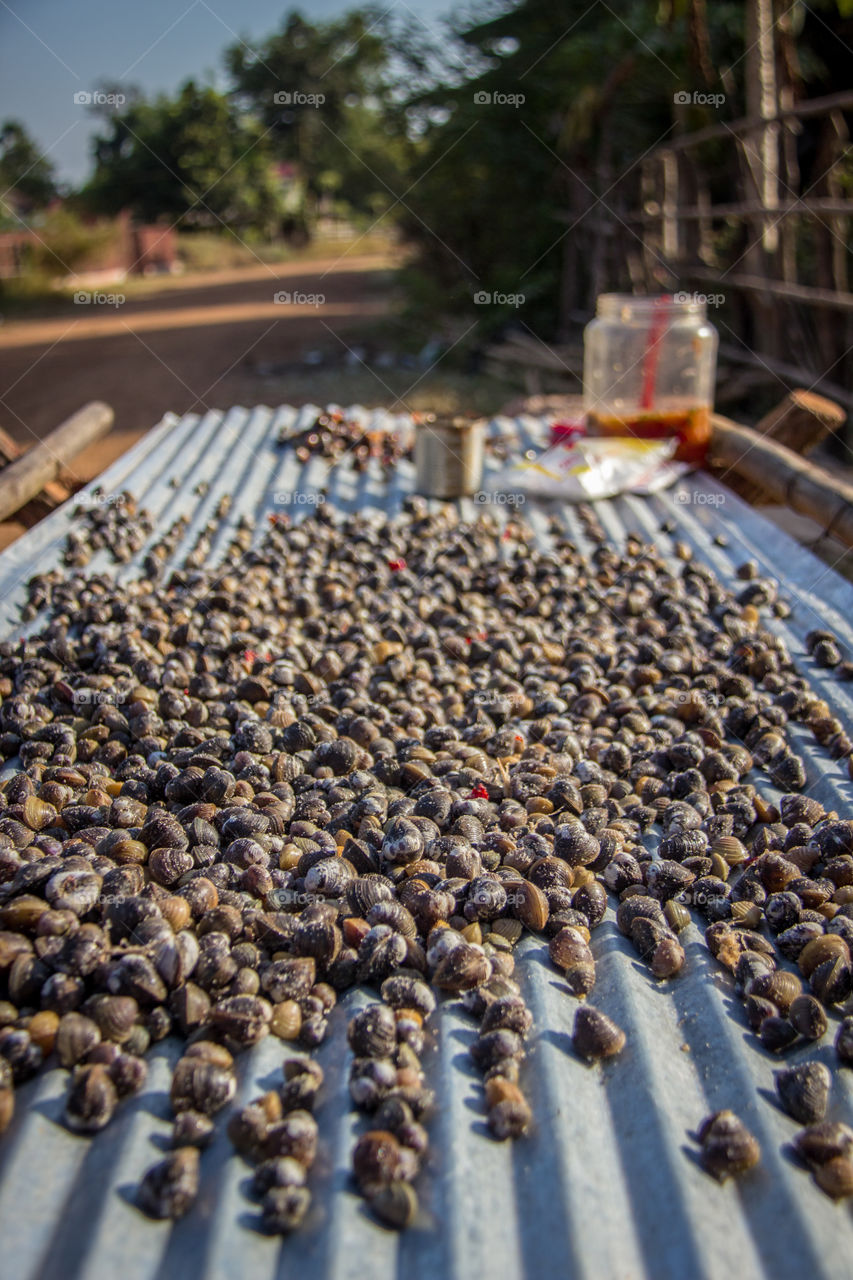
{"x":607,"y":1185}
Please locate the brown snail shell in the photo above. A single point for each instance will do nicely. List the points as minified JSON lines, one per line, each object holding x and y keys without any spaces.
{"x":828,"y":946}
{"x":396,"y":1204}
{"x":844,"y":1041}
{"x":677,"y":915}
{"x":509,"y":1118}
{"x":804,"y":1091}
{"x":76,"y":1036}
{"x":91,"y":1100}
{"x":241,"y":1020}
{"x":7,"y":1106}
{"x":668,"y":958}
{"x":835,"y":1177}
{"x":780,"y":986}
{"x":530,"y":905}
{"x":192,"y":1129}
{"x":808,"y":1017}
{"x":728,"y":1147}
{"x":168,"y":864}
{"x":202,"y":1086}
{"x":286,"y":1021}
{"x":822,"y":1142}
{"x":462,"y":968}
{"x":595,"y":1035}
{"x":776,"y":1033}
{"x":569,"y":947}
{"x":757,"y":1009}
{"x":832,"y":981}
{"x":170,"y":1187}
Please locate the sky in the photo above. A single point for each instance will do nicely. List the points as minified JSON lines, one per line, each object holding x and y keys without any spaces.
{"x":51,"y":50}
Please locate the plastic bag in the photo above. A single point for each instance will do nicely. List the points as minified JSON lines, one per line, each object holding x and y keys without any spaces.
{"x":595,"y":467}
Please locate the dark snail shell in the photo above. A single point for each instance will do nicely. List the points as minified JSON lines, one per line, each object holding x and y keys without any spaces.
{"x":804,"y":1091}
{"x":595,"y":1035}
{"x":728,"y":1148}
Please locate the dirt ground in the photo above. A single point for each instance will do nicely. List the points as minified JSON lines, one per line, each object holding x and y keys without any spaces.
{"x":188,"y":347}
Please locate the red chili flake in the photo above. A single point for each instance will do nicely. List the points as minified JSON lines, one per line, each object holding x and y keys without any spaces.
{"x":249,"y":657}
{"x":478,"y":793}
{"x":267,"y":657}
{"x":396,"y":565}
{"x":186,"y":691}
{"x":518,"y":738}
{"x":468,"y":640}
{"x":482,"y":635}
{"x":506,"y":535}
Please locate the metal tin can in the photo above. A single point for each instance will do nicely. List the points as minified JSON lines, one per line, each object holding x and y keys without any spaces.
{"x":449,"y":457}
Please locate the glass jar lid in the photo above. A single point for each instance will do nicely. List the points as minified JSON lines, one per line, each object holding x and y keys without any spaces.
{"x":630,"y":307}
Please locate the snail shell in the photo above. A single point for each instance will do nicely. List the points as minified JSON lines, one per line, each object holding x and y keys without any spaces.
{"x":804,"y":1091}
{"x":595,"y":1035}
{"x":728,"y":1147}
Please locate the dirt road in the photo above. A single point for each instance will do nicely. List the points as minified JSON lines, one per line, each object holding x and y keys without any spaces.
{"x":187,"y":347}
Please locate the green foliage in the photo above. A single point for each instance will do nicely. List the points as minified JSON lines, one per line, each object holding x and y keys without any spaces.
{"x":66,"y":243}
{"x":61,"y":244}
{"x":26,"y":177}
{"x":587,"y":90}
{"x":325,"y":93}
{"x":194,"y":159}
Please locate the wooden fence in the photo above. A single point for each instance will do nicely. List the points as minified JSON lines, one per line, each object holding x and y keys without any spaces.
{"x":773,"y":261}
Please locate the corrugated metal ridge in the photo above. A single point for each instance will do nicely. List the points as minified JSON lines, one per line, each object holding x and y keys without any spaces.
{"x":607,"y":1184}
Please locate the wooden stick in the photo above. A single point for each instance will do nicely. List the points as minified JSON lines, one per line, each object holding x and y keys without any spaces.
{"x":785,"y":476}
{"x":776,"y":288}
{"x":22,"y":479}
{"x":801,"y":420}
{"x":55,"y":492}
{"x":810,"y":107}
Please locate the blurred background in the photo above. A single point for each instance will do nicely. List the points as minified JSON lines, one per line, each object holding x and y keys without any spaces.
{"x":410,"y":205}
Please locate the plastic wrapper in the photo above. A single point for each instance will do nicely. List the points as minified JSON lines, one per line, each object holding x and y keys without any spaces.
{"x":595,"y":467}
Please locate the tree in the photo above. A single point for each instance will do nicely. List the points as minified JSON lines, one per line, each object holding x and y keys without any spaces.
{"x":528,"y":150}
{"x":26,"y":176}
{"x":325,"y":92}
{"x":193,"y":158}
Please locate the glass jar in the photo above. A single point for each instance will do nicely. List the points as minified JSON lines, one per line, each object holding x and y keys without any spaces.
{"x":649,"y":369}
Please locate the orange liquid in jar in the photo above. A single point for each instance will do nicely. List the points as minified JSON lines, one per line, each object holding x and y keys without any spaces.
{"x":691,"y":426}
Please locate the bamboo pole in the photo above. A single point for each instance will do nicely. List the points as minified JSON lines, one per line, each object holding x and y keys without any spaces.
{"x":799,"y":421}
{"x":23,"y":479}
{"x":786,"y":477}
{"x":842,"y":101}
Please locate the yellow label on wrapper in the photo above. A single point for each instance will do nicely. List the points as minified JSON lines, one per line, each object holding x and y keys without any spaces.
{"x":596,"y":467}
